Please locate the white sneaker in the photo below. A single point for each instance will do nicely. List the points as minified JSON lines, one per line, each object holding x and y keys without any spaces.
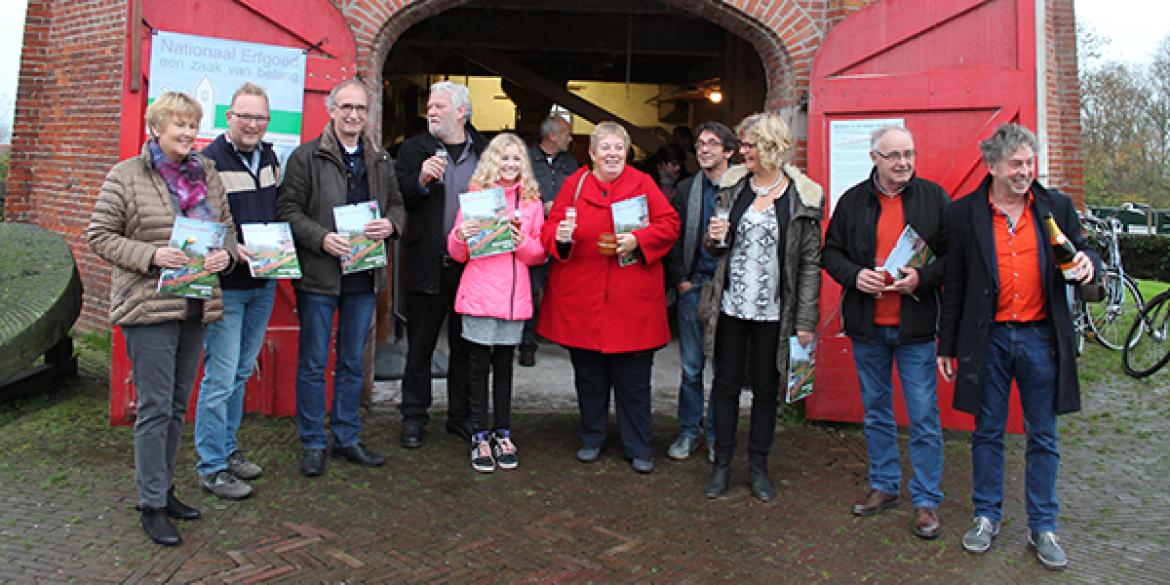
{"x":504,"y":449}
{"x":481,"y":454}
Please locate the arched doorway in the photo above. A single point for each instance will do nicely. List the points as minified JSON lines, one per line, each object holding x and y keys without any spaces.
{"x":686,"y":50}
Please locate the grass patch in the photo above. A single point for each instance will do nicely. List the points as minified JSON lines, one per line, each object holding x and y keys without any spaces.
{"x":1150,"y":288}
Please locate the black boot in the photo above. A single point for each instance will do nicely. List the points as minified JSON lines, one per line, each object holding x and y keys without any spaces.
{"x":720,"y":476}
{"x":179,"y":510}
{"x":758,"y":478}
{"x":159,"y":528}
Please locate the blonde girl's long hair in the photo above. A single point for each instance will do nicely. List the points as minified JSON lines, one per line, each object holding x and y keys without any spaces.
{"x":487,"y":172}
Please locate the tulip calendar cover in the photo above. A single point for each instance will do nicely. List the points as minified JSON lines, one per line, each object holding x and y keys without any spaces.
{"x":274,"y":254}
{"x":910,"y":251}
{"x":364,"y":253}
{"x":800,"y":370}
{"x":629,"y":215}
{"x":195,"y":238}
{"x":488,"y":209}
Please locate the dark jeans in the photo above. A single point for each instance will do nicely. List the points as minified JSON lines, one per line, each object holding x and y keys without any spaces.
{"x":1025,"y":354}
{"x":424,"y":318}
{"x":734,"y":339}
{"x":498,"y":359}
{"x":594,"y":373}
{"x":537,"y":275}
{"x":355,"y":313}
{"x":163,"y":360}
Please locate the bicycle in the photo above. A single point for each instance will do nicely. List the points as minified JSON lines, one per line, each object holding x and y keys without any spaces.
{"x":1111,"y":319}
{"x":1147,"y":348}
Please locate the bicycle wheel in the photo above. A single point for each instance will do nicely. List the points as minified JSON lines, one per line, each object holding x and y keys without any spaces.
{"x":1113,"y":317}
{"x":1147,"y":348}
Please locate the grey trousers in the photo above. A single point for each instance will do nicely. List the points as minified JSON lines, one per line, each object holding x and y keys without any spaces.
{"x":163,"y":360}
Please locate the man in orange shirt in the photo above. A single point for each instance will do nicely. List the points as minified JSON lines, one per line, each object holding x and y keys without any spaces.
{"x":1005,"y":316}
{"x":893,"y":321}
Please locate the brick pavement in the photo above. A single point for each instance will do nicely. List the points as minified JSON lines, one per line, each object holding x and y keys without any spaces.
{"x":66,"y":510}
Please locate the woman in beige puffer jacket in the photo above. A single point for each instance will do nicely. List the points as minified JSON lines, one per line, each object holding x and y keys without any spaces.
{"x":131,"y":228}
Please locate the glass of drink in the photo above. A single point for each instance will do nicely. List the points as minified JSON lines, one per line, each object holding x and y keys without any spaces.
{"x":723,"y":214}
{"x":571,"y":217}
{"x":607,"y":244}
{"x":887,"y":279}
{"x":441,"y":152}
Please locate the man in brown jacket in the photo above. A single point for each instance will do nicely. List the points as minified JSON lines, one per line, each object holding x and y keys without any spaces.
{"x":340,"y":167}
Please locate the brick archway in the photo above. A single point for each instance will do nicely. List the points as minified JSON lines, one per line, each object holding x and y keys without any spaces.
{"x":783,"y":32}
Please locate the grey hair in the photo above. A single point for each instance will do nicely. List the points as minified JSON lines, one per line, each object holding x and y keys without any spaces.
{"x":877,"y":135}
{"x":331,"y":99}
{"x":458,"y":92}
{"x":1007,"y":139}
{"x":551,"y":125}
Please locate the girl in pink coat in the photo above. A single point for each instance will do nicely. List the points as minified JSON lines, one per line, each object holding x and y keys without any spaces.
{"x":494,"y":296}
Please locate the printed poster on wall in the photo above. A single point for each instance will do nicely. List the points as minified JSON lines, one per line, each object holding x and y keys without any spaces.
{"x":210,"y":70}
{"x":849,"y":162}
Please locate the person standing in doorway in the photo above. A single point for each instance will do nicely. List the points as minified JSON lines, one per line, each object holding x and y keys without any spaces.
{"x":494,"y":298}
{"x":764,"y":291}
{"x":688,"y":267}
{"x":433,"y":169}
{"x":551,"y":163}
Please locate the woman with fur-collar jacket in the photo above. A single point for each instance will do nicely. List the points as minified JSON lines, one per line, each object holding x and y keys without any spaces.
{"x":765,"y":290}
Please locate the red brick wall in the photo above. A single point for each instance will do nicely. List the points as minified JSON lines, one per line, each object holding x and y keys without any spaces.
{"x":1066,"y":168}
{"x":65,"y":136}
{"x":65,"y":132}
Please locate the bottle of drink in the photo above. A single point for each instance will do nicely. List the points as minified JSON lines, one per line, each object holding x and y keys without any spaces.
{"x":1063,"y":249}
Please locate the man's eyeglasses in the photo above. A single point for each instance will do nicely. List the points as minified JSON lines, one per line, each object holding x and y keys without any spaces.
{"x":895,"y":155}
{"x":250,"y":118}
{"x":712,"y":144}
{"x":352,"y":108}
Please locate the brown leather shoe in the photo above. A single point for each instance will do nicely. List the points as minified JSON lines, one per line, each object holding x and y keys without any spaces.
{"x":926,"y":524}
{"x":874,"y":502}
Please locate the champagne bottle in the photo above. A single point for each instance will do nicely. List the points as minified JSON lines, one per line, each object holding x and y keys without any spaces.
{"x":1063,"y":249}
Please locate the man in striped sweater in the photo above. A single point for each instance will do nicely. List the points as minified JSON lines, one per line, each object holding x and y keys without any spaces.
{"x":250,"y":172}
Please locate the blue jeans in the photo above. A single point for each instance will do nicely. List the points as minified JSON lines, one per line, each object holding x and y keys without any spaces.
{"x":916,"y":370}
{"x":355,"y":314}
{"x":1026,"y":354}
{"x":690,"y":349}
{"x":230,"y":347}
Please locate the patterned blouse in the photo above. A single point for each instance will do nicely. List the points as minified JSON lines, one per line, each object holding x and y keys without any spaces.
{"x":754,"y":268}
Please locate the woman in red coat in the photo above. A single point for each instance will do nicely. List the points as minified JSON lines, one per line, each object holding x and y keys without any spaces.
{"x":607,"y":304}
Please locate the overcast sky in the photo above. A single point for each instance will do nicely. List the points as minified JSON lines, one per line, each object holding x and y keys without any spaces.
{"x":1134,"y":32}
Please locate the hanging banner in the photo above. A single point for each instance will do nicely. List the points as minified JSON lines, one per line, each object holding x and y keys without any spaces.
{"x":210,"y":70}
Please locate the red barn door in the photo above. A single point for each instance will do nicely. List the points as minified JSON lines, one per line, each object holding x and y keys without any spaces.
{"x":952,"y":70}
